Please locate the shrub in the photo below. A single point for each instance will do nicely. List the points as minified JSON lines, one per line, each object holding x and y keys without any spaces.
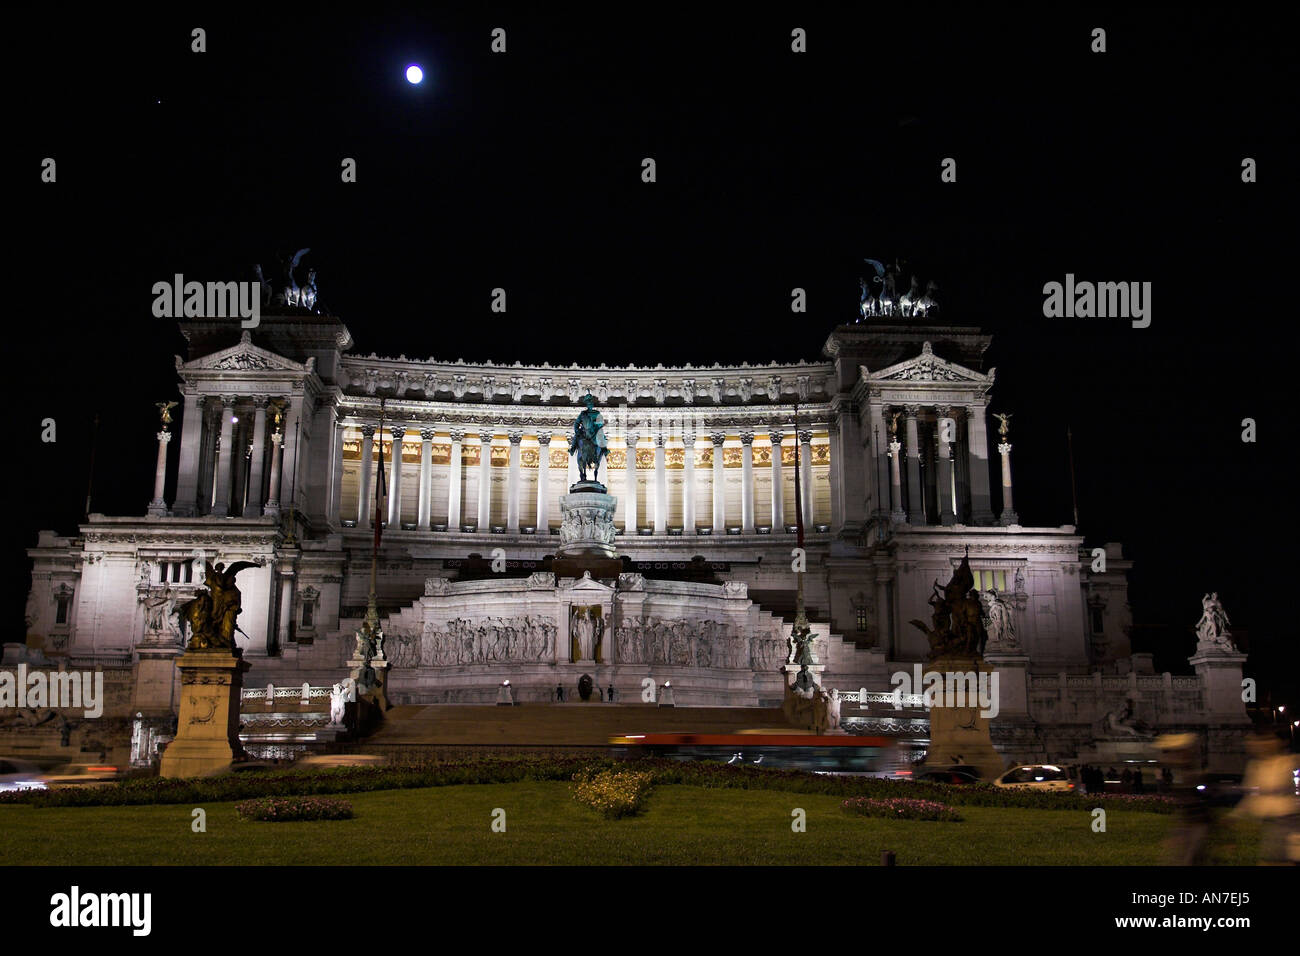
{"x":612,"y":793}
{"x":900,"y":808}
{"x":283,"y":809}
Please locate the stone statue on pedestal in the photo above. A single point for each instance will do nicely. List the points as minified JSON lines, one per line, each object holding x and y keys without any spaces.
{"x":958,"y":619}
{"x":999,"y":624}
{"x":1212,"y":629}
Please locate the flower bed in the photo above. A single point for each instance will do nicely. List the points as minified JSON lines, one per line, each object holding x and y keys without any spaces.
{"x":612,"y":793}
{"x":900,"y":808}
{"x":493,"y":768}
{"x":284,"y":809}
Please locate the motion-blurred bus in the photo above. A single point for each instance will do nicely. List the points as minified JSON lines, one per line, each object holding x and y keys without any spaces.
{"x":875,"y":756}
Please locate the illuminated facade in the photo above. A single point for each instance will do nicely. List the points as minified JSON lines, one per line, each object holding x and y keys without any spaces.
{"x":280,"y":437}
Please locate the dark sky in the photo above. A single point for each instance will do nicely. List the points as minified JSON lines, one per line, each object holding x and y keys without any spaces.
{"x":775,"y":170}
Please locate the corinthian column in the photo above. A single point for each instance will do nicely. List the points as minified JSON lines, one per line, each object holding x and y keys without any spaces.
{"x":395,"y":479}
{"x":187,"y":476}
{"x":719,"y":486}
{"x":916,"y":506}
{"x":1009,"y":515}
{"x":629,"y":476}
{"x":544,"y":483}
{"x":946,"y":425}
{"x":778,"y":490}
{"x":981,"y":501}
{"x":485,"y":480}
{"x":747,"y":482}
{"x":661,"y":485}
{"x":688,"y":484}
{"x":254,"y":506}
{"x":158,"y":507}
{"x":364,"y":506}
{"x":454,"y":481}
{"x":426,"y":479}
{"x":225,"y":460}
{"x":805,"y":477}
{"x":512,"y":499}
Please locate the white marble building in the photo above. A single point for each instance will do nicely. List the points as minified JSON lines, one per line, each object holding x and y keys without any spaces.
{"x":279,"y":437}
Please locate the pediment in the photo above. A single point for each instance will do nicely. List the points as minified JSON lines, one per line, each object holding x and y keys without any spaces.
{"x":927,"y":367}
{"x":245,"y":357}
{"x":588,"y":584}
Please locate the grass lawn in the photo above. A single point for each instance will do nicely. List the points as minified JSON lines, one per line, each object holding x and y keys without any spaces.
{"x":681,"y":825}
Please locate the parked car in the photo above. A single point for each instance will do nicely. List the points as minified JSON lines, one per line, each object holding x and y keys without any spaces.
{"x":19,"y":775}
{"x":81,"y":775}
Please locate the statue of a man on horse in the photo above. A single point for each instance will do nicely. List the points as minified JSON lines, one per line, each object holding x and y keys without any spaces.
{"x":588,"y":439}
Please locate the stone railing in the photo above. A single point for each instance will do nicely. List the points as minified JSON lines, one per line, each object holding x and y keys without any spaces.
{"x":302,"y":692}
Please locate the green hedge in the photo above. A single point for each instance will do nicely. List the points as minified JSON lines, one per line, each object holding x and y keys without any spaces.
{"x":495,"y":769}
{"x":289,"y":809}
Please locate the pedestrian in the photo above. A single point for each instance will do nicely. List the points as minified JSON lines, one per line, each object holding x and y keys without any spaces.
{"x":1270,"y":797}
{"x":610,"y":698}
{"x":1137,"y":780}
{"x":559,"y":693}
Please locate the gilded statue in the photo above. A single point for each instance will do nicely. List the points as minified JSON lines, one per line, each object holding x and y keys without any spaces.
{"x":212,"y":614}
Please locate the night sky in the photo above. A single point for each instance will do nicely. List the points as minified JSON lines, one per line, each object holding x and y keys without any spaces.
{"x":775,"y":170}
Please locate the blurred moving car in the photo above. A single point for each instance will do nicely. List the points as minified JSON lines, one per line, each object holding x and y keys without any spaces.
{"x":81,"y":775}
{"x":19,"y":775}
{"x":958,"y":775}
{"x":243,"y":766}
{"x":1038,"y":776}
{"x":341,"y":760}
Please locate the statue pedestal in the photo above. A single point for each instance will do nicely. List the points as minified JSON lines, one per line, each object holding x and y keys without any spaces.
{"x":156,"y":685}
{"x":587,"y":525}
{"x":207,"y":731}
{"x":1220,"y":674}
{"x":960,"y":735}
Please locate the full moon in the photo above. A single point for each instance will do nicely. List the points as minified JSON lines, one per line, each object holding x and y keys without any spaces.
{"x":414,"y":74}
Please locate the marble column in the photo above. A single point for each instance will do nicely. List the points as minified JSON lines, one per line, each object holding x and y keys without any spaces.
{"x":629,"y":476}
{"x":454,"y":481}
{"x":805,"y":477}
{"x":225,"y":457}
{"x":336,"y":480}
{"x":879,"y":458}
{"x":719,"y":484}
{"x":778,"y":487}
{"x":485,"y":480}
{"x":272,"y":506}
{"x":946,"y":426}
{"x":915,"y":499}
{"x":286,"y":607}
{"x":661,"y":484}
{"x":512,"y":497}
{"x":884,"y":637}
{"x":424,"y":518}
{"x":158,"y":507}
{"x":293,"y":438}
{"x":896,"y":514}
{"x":365,"y":506}
{"x":398,"y":432}
{"x":981,"y":501}
{"x":688,"y":484}
{"x":747,"y":482}
{"x":187,"y":474}
{"x":543,"y":483}
{"x":254,"y":506}
{"x":1009,"y":515}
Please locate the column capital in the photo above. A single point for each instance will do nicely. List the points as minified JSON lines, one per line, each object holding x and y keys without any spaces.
{"x":631,"y":437}
{"x":426,"y":434}
{"x":515,"y":436}
{"x":261,"y":401}
{"x":544,"y":440}
{"x":912,"y":410}
{"x":805,"y":436}
{"x":688,"y":439}
{"x":718,"y":438}
{"x":367,"y":431}
{"x":895,"y":447}
{"x":164,"y":436}
{"x":776,"y":435}
{"x":397,"y":431}
{"x":458,"y":435}
{"x":228,"y":401}
{"x":747,"y":437}
{"x":1004,"y":448}
{"x":485,"y":435}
